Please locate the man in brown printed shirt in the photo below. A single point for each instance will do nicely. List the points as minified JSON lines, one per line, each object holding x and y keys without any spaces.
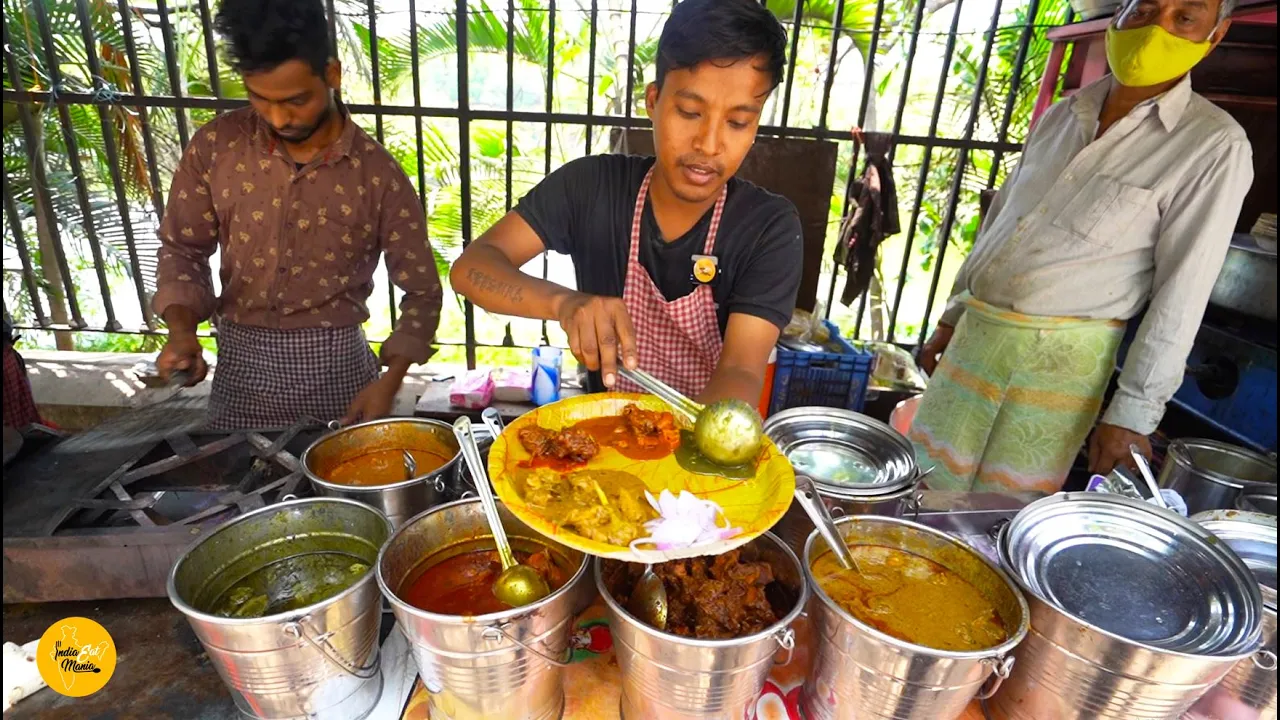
{"x":301,"y":203}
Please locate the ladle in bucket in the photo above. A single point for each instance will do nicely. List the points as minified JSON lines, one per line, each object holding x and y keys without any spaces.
{"x":807,"y":496}
{"x":518,"y":585}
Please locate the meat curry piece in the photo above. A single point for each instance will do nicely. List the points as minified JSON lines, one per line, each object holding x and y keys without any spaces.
{"x":569,"y":445}
{"x":708,"y":598}
{"x":651,"y":428}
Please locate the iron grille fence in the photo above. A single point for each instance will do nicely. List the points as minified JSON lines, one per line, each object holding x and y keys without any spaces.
{"x":479,"y":99}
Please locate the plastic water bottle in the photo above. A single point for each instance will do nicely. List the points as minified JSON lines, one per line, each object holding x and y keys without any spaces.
{"x":547,"y":362}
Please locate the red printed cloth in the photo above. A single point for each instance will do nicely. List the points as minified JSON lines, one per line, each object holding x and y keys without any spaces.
{"x":19,"y":406}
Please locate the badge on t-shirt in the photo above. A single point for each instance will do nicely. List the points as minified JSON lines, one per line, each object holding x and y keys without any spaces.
{"x":705,"y":269}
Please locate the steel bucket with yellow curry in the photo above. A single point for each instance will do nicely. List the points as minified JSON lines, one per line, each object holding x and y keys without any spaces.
{"x":590,"y":472}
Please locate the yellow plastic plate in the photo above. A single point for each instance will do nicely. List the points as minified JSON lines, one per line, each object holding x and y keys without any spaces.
{"x":753,"y":505}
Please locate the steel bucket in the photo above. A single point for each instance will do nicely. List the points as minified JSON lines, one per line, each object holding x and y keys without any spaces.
{"x":860,"y":673}
{"x":669,"y":677}
{"x":1249,"y":690}
{"x":319,"y":662}
{"x":501,"y":665}
{"x":1211,"y":475}
{"x":398,"y":501}
{"x":1071,"y":669}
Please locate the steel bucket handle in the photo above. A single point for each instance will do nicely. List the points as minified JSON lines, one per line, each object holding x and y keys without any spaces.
{"x":494,"y":633}
{"x":1265,"y":660}
{"x":320,"y":642}
{"x":1003,"y":667}
{"x":786,"y":641}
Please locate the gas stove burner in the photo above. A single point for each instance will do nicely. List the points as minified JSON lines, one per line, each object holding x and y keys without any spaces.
{"x":109,"y":524}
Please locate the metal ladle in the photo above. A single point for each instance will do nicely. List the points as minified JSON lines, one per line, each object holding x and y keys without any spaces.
{"x":807,"y":496}
{"x":518,"y":585}
{"x":648,"y":601}
{"x":727,"y":432}
{"x":1144,"y":469}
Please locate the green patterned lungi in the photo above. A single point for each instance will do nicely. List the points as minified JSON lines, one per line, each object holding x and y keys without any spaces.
{"x":1013,"y":399}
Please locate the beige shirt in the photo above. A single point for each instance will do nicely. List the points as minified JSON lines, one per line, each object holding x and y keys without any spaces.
{"x":299,"y":244}
{"x":1098,"y":228}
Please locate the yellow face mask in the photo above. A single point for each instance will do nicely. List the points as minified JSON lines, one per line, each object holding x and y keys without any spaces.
{"x":1151,"y":55}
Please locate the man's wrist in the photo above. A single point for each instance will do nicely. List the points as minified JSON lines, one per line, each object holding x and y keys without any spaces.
{"x":397,"y":367}
{"x":181,"y":320}
{"x":558,"y":298}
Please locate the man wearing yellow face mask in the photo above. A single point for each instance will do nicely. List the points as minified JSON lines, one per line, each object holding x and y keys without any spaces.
{"x":1126,"y":195}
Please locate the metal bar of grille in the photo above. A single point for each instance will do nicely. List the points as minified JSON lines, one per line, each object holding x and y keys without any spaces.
{"x":113,"y":158}
{"x":791,"y":61}
{"x":464,"y":162}
{"x":144,"y":122}
{"x":1019,"y":62}
{"x":375,"y":69}
{"x":558,"y":118}
{"x":414,"y":52}
{"x":957,"y":179}
{"x":210,"y":51}
{"x":923,"y":179}
{"x":549,"y":129}
{"x":836,"y":28}
{"x":853,"y":163}
{"x":171,"y":65}
{"x":24,"y":255}
{"x":511,"y":96}
{"x":897,"y":122}
{"x":631,"y":60}
{"x":591,"y":69}
{"x":332,"y":13}
{"x":73,"y":158}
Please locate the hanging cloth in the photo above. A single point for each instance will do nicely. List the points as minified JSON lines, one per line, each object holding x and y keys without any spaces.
{"x":875,"y":216}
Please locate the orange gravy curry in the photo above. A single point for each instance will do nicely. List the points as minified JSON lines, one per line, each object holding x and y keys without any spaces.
{"x":911,"y":598}
{"x":384,"y":467}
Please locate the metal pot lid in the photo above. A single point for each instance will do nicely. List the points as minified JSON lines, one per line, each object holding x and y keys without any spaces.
{"x":846,"y":453}
{"x":1253,"y":537}
{"x":1135,"y":571}
{"x":1229,"y":464}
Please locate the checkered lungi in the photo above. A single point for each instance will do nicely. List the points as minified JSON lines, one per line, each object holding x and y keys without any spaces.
{"x":267,"y":378}
{"x":19,"y":405}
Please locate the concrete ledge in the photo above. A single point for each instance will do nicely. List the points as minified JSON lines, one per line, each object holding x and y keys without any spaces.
{"x":78,"y":390}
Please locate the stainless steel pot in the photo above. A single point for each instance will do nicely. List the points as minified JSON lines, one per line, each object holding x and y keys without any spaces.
{"x":1210,"y":475}
{"x":1259,"y":500}
{"x":669,"y":677}
{"x":318,"y":662}
{"x":1250,"y":689}
{"x":1136,"y":612}
{"x":398,"y":501}
{"x":860,"y":673}
{"x":1247,"y":281}
{"x":859,"y":465}
{"x":501,"y":665}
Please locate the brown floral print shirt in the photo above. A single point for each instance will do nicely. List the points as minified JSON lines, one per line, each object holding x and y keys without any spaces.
{"x":299,"y":245}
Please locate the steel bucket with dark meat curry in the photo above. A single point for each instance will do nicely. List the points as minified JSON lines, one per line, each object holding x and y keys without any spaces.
{"x":728,"y":616}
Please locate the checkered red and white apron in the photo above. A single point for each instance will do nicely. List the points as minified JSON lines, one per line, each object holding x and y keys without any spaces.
{"x":267,"y":378}
{"x":679,"y":341}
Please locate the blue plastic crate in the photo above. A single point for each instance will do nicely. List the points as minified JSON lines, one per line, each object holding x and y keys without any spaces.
{"x":826,"y":379}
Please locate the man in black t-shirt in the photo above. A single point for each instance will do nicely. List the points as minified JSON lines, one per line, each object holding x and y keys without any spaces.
{"x":682,"y":270}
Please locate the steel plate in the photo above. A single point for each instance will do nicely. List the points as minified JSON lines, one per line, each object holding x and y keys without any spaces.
{"x":1135,"y":571}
